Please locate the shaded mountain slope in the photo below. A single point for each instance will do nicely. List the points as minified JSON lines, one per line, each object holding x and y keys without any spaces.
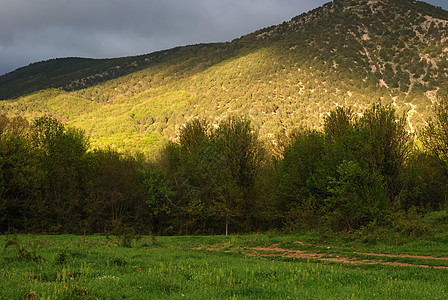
{"x":74,"y":73}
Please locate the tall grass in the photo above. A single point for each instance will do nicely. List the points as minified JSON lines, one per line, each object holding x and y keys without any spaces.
{"x":93,"y":267}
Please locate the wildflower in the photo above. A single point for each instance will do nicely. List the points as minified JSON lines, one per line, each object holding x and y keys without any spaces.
{"x":32,"y":295}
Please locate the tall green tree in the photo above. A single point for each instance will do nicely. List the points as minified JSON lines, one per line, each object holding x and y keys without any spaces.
{"x":241,"y":158}
{"x":118,"y":196}
{"x":357,"y":197}
{"x":215,"y":171}
{"x":350,"y":173}
{"x":62,"y":155}
{"x":21,"y":203}
{"x":435,"y":134}
{"x":159,"y":191}
{"x":386,"y":144}
{"x":293,"y":178}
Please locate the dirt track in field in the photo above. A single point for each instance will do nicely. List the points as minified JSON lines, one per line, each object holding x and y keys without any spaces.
{"x":274,"y":250}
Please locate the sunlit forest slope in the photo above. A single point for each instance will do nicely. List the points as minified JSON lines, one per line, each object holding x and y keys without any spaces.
{"x":345,"y":53}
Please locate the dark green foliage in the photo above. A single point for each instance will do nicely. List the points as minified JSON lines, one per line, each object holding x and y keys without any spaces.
{"x":26,"y":251}
{"x":386,"y":143}
{"x":20,"y":176}
{"x":117,"y":194}
{"x":435,"y":134}
{"x":357,"y":174}
{"x":424,"y":184}
{"x":338,"y":123}
{"x":62,"y":160}
{"x":159,"y":191}
{"x":357,"y":197}
{"x":128,"y":238}
{"x":50,"y":182}
{"x":294,"y":173}
{"x":239,"y":161}
{"x":216,"y":172}
{"x":61,"y":256}
{"x":350,"y":175}
{"x":194,"y":135}
{"x":434,"y":181}
{"x":306,"y":215}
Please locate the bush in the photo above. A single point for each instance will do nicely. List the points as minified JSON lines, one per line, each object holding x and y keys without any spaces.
{"x":306,"y":216}
{"x":358,"y":198}
{"x":24,"y":251}
{"x":410,"y":224}
{"x":128,"y":238}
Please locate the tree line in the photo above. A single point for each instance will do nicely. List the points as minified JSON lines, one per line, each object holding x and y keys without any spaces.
{"x":359,"y":171}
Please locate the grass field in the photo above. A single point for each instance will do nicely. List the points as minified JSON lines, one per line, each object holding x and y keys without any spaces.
{"x":257,"y":266}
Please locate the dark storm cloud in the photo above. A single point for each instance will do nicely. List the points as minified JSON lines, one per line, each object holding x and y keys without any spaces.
{"x":33,"y":30}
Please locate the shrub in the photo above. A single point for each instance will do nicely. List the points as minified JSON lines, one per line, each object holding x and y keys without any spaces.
{"x":306,"y":216}
{"x":24,"y":251}
{"x":410,"y":224}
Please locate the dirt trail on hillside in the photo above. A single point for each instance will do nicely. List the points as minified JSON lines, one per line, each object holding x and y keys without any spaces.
{"x":274,"y":250}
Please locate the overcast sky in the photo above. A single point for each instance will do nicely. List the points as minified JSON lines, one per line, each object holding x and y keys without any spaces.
{"x":35,"y":30}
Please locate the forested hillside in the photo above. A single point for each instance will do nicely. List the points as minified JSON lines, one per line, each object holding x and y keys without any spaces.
{"x":357,"y":174}
{"x":346,"y":53}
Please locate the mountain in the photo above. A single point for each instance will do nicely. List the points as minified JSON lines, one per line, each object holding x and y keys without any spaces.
{"x":344,"y":53}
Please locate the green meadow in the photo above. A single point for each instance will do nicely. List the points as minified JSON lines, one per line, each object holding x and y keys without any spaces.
{"x":256,"y":266}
